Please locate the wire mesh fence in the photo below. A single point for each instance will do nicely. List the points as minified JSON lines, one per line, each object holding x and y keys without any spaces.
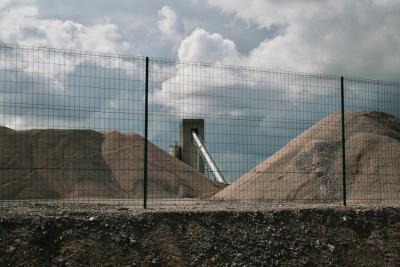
{"x":81,"y":126}
{"x":70,"y":124}
{"x":372,"y":140}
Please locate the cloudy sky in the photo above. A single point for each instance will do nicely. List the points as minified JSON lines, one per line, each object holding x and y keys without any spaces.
{"x":358,"y":37}
{"x":249,"y":114}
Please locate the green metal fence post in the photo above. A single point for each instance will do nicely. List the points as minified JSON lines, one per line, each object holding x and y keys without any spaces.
{"x":146,"y":122}
{"x":343,"y":141}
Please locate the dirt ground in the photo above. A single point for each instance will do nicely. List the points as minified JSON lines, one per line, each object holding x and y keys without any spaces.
{"x":116,"y":235}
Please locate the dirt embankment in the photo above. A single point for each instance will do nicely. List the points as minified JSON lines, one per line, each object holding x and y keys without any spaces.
{"x":98,"y":235}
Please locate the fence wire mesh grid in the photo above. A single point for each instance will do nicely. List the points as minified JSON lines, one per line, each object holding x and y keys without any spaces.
{"x":81,"y":126}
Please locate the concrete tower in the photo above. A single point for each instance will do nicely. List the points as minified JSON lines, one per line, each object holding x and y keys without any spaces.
{"x":190,"y":154}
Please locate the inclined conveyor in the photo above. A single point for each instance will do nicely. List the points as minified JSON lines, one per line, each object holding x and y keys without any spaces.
{"x":207,"y":158}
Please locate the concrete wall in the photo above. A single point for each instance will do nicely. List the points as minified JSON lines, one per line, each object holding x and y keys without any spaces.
{"x":189,"y":152}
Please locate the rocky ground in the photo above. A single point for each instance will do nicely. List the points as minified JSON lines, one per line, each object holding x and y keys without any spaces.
{"x":115,"y":235}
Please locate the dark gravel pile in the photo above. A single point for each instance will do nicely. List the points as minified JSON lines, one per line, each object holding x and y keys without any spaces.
{"x":106,"y":235}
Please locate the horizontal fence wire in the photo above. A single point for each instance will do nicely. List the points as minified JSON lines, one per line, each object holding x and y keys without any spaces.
{"x":73,"y":128}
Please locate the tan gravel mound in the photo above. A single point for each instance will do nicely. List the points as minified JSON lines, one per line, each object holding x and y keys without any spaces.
{"x":167,"y":176}
{"x":309,"y":168}
{"x":72,"y":164}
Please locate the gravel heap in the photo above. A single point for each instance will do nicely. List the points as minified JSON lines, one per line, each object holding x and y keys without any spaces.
{"x":103,"y":235}
{"x":309,"y":168}
{"x":78,"y":164}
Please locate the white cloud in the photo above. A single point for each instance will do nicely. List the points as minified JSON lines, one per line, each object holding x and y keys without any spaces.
{"x":269,"y":12}
{"x":197,"y":89}
{"x":169,"y":24}
{"x":22,"y":25}
{"x":359,"y":38}
{"x":326,"y":37}
{"x":201,"y":45}
{"x":4,"y":3}
{"x":341,"y":37}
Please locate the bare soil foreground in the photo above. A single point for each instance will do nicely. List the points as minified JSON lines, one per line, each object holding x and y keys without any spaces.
{"x":110,"y":235}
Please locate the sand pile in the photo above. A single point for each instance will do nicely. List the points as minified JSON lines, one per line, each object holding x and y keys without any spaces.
{"x":60,"y":164}
{"x":309,"y":167}
{"x":168,"y":176}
